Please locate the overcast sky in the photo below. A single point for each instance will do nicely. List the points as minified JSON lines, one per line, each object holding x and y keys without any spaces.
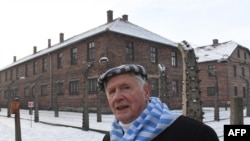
{"x":28,"y":23}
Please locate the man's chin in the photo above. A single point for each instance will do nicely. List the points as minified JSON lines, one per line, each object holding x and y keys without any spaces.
{"x":123,"y":118}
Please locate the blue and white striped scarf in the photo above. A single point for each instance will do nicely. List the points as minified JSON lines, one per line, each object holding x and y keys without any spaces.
{"x":154,"y":119}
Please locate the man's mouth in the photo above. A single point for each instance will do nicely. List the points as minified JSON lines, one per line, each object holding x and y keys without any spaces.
{"x":121,"y":107}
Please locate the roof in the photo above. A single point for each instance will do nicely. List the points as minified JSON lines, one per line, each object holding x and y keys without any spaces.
{"x":215,"y":53}
{"x":118,"y":26}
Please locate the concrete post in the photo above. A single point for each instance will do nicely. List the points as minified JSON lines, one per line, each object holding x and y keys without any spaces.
{"x":191,"y":99}
{"x":85,"y":117}
{"x":99,"y":115}
{"x":236,"y":114}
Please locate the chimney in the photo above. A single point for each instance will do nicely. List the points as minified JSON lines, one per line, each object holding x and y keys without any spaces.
{"x":61,"y":37}
{"x":109,"y":16}
{"x":215,"y":42}
{"x":34,"y":49}
{"x":14,"y":58}
{"x":125,"y":17}
{"x":49,"y":43}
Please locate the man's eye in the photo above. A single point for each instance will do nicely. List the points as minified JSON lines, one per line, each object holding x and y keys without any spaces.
{"x":111,"y":92}
{"x":125,"y":87}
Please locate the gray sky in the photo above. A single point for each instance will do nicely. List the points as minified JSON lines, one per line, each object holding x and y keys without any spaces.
{"x":28,"y":23}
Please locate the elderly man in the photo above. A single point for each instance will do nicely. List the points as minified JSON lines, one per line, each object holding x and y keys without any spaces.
{"x":140,"y":117}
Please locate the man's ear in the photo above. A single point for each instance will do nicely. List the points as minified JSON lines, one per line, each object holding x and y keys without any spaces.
{"x":147,"y":90}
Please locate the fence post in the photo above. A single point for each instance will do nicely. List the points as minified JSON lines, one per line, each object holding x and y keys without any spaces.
{"x":191,"y":93}
{"x":236,"y":114}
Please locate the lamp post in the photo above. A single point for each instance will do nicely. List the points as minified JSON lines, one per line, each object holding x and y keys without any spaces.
{"x":163,"y":88}
{"x":216,"y":98}
{"x":9,"y":98}
{"x":85,"y":120}
{"x":56,"y":112}
{"x":36,"y":116}
{"x":216,"y":95}
{"x":56,"y":106}
{"x":98,"y":112}
{"x":8,"y":103}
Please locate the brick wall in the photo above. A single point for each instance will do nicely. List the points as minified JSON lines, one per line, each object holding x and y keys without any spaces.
{"x":111,"y":45}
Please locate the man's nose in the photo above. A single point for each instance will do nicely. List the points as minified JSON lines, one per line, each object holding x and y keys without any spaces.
{"x":118,"y":95}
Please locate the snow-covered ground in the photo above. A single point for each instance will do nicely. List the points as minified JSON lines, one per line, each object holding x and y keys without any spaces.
{"x":31,"y":131}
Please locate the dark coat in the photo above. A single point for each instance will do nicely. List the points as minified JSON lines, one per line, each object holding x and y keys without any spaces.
{"x":184,"y":129}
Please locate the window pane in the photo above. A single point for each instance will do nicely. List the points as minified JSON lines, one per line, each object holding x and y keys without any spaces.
{"x":91,"y":51}
{"x":74,"y":56}
{"x":210,"y":91}
{"x":153,"y":54}
{"x":73,"y":87}
{"x":173,"y":59}
{"x":154,"y":86}
{"x":129,"y":51}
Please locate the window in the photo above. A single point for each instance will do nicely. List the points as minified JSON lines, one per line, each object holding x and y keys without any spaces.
{"x":238,"y":53}
{"x":174,"y":59}
{"x":153,"y":54}
{"x":59,"y":88}
{"x":244,"y":92}
{"x":129,"y":51}
{"x":74,"y":87}
{"x":9,"y":93}
{"x":59,"y":60}
{"x":44,"y":91}
{"x":235,"y":70}
{"x":6,"y":75}
{"x":92,"y":85}
{"x":74,"y":56}
{"x":211,"y":91}
{"x":175,"y":88}
{"x":35,"y":67}
{"x":45,"y":64}
{"x":17,"y":73}
{"x":16,"y":93}
{"x":245,"y":55}
{"x":235,"y":91}
{"x":211,"y":70}
{"x":154,"y":87}
{"x":33,"y":91}
{"x":243,"y":71}
{"x":11,"y":74}
{"x":26,"y":70}
{"x":91,"y":51}
{"x":26,"y":92}
{"x":6,"y":94}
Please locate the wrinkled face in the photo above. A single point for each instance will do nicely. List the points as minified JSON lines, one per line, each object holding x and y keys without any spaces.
{"x":127,"y":97}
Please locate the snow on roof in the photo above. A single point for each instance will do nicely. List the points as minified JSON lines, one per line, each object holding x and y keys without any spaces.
{"x":127,"y":28}
{"x":215,"y":53}
{"x":118,"y":26}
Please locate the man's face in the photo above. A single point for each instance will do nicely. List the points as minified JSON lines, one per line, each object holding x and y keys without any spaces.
{"x":127,"y":98}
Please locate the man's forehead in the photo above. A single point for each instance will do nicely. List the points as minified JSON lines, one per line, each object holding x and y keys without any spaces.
{"x":130,"y":68}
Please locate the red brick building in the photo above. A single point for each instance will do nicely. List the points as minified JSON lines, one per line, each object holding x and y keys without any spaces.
{"x":56,"y":74}
{"x":226,"y":66}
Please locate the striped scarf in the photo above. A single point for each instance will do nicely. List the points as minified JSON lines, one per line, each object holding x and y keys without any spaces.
{"x":153,"y":120}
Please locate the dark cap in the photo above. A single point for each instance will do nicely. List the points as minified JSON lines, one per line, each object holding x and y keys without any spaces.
{"x":136,"y":69}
